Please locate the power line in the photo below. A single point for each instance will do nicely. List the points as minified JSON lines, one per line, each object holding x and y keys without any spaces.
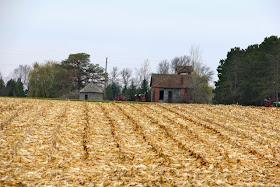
{"x":94,"y":57}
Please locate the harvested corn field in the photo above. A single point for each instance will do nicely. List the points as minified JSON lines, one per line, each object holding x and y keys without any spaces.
{"x":67,"y":143}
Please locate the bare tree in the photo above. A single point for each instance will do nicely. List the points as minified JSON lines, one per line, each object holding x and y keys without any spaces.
{"x":143,"y":72}
{"x":126,"y":74}
{"x":180,"y":61}
{"x":163,"y":67}
{"x":22,"y":72}
{"x":196,"y":61}
{"x":114,"y":76}
{"x":195,"y":55}
{"x":202,"y":75}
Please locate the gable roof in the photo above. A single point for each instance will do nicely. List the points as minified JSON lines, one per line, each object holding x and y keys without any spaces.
{"x":92,"y":88}
{"x":171,"y":81}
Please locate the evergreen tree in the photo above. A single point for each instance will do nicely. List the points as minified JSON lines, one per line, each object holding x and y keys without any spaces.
{"x":109,"y":93}
{"x":132,"y":91}
{"x":249,"y":76}
{"x":2,"y":87}
{"x":230,"y":72}
{"x":2,"y":83}
{"x":81,"y":72}
{"x":19,"y":90}
{"x":112,"y":91}
{"x":115,"y":90}
{"x":11,"y":87}
{"x":145,"y":89}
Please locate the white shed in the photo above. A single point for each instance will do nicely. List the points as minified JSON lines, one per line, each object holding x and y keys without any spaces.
{"x":91,"y":92}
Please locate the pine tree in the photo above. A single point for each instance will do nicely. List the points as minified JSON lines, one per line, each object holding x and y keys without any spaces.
{"x":144,"y":87}
{"x":109,"y":94}
{"x":19,"y":88}
{"x":11,"y":86}
{"x":132,"y":91}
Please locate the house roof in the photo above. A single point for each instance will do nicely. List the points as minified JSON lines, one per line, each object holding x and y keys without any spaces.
{"x":91,"y":88}
{"x":171,"y":81}
{"x":184,"y":69}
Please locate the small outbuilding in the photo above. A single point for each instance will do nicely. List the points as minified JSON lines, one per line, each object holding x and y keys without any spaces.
{"x":91,"y":92}
{"x":173,"y":88}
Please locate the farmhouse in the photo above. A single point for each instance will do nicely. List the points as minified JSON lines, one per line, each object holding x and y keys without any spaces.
{"x":91,"y":92}
{"x":173,"y":88}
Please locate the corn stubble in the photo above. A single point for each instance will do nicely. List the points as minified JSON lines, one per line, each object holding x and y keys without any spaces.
{"x":64,"y":143}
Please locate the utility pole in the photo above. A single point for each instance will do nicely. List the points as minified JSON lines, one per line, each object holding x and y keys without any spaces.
{"x":105,"y":84}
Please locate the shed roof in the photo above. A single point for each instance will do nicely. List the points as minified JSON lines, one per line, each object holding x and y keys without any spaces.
{"x":171,"y":81}
{"x":91,"y":88}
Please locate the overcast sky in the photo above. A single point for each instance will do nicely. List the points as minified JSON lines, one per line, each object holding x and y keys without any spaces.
{"x":130,"y":31}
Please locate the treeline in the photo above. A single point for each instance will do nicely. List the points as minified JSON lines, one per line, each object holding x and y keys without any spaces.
{"x":17,"y":84}
{"x":122,"y":85}
{"x":12,"y":88}
{"x":53,"y":79}
{"x":248,"y":76}
{"x":66,"y":78}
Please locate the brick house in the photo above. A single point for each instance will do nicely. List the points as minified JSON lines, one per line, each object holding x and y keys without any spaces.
{"x":173,"y":88}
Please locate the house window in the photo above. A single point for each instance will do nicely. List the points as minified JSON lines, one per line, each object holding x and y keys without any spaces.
{"x":86,"y":97}
{"x":161,"y":94}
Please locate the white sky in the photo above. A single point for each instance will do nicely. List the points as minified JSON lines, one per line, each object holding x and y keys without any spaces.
{"x":130,"y":31}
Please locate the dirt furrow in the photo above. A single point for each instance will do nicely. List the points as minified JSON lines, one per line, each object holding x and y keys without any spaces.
{"x":267,"y":160}
{"x":117,"y":139}
{"x":255,"y":132}
{"x":227,"y":156}
{"x":150,"y":165}
{"x":9,"y":105}
{"x":18,"y":111}
{"x":268,"y":149}
{"x":29,"y":143}
{"x":263,"y":121}
{"x":270,"y":114}
{"x":240,"y":138}
{"x":179,"y":156}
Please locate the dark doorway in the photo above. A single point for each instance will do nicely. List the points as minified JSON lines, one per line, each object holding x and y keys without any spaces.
{"x":161,"y":94}
{"x":170,"y":96}
{"x":86,"y":97}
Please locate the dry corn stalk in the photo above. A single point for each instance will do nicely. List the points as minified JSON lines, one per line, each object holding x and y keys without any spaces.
{"x":63,"y":143}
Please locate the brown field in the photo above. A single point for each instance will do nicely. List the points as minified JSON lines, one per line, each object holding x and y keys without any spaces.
{"x":68,"y":143}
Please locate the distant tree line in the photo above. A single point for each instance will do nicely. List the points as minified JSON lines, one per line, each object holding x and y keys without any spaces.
{"x":123,"y":86}
{"x":248,"y":76}
{"x":17,"y":84}
{"x":12,"y":88}
{"x":53,"y":79}
{"x":64,"y":79}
